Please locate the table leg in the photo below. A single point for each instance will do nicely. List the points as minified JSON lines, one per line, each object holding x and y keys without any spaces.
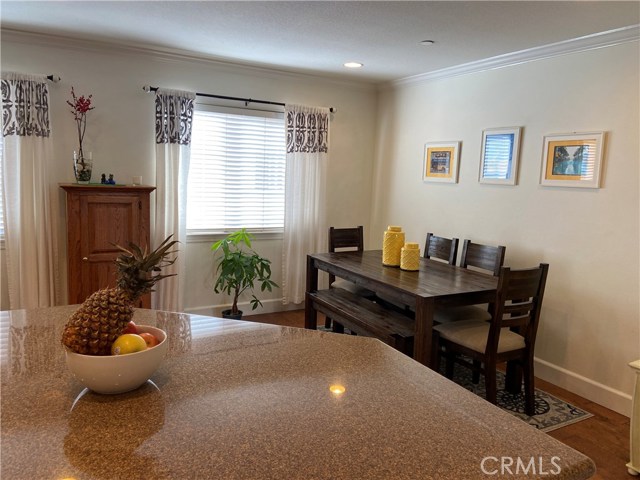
{"x":310,"y":313}
{"x":424,"y":327}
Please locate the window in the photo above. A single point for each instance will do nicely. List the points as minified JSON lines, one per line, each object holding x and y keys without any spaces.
{"x":499,"y":162}
{"x":236,"y":174}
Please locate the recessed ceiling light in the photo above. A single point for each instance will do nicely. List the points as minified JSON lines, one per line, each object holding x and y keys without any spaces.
{"x":353,"y":64}
{"x":427,"y":42}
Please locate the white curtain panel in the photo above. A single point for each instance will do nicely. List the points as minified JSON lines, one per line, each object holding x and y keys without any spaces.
{"x":30,"y":226}
{"x":305,"y":229}
{"x":174,"y":121}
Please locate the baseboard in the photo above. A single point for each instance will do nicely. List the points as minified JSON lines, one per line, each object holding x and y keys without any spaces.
{"x":268,"y":306}
{"x":613,"y":399}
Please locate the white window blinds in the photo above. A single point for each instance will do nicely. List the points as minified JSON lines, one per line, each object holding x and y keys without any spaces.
{"x":236,"y":174}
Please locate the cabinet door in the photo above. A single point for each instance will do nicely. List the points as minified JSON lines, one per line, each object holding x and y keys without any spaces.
{"x":104,"y":221}
{"x":111,"y":220}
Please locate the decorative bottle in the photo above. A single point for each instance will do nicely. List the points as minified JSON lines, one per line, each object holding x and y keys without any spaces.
{"x":392,"y":246}
{"x":410,"y":257}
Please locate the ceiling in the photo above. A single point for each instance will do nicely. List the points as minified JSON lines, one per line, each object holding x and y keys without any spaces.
{"x":318,"y":37}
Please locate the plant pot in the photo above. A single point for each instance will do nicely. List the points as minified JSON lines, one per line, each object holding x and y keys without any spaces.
{"x":228,"y":314}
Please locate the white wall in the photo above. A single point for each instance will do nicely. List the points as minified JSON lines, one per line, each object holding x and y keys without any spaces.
{"x":590,"y":327}
{"x":120,"y":130}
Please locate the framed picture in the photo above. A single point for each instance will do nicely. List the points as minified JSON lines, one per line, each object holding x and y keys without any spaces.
{"x":572,"y":160}
{"x":499,"y":155}
{"x":441,"y":162}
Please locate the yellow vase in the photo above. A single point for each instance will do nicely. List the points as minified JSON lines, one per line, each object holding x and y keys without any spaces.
{"x":392,"y":246}
{"x":410,"y":257}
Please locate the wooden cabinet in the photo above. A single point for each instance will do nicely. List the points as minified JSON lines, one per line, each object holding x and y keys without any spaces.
{"x":97,"y":218}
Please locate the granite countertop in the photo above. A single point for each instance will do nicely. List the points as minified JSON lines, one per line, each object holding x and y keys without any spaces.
{"x":243,"y":400}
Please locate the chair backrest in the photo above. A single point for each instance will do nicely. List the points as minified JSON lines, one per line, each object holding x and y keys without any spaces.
{"x":341,"y":238}
{"x":486,"y":257}
{"x":441,"y":248}
{"x":345,"y":238}
{"x":518,"y":303}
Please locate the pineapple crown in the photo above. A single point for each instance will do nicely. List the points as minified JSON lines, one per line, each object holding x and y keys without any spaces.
{"x":136,"y":267}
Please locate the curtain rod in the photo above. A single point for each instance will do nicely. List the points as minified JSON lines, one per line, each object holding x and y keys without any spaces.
{"x":53,"y":78}
{"x":246,"y":101}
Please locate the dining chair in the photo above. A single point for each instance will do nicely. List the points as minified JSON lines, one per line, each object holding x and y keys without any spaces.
{"x":510,"y":336}
{"x":483,"y":258}
{"x":346,"y":239}
{"x":441,"y":248}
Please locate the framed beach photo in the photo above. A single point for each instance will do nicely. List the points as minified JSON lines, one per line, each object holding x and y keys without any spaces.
{"x":441,"y":162}
{"x":572,"y":160}
{"x":499,"y":155}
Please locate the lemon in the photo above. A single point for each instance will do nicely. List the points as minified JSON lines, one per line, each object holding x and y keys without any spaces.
{"x":128,"y":343}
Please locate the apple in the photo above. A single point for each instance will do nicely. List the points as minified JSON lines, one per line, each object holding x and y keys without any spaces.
{"x":150,"y":339}
{"x":130,"y":328}
{"x":128,"y":343}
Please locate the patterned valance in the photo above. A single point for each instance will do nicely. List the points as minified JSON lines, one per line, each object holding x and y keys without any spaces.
{"x":25,"y":105}
{"x":174,"y":116}
{"x":307,"y":129}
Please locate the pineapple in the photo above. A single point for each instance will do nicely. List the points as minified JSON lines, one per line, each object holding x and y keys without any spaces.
{"x":101,"y":318}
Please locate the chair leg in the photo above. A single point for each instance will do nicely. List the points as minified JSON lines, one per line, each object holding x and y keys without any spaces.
{"x":490,"y":381}
{"x":435,"y":351}
{"x":529,"y":387}
{"x":450,"y":357}
{"x":513,"y":379}
{"x":338,"y":327}
{"x":475,"y":375}
{"x":327,"y":322}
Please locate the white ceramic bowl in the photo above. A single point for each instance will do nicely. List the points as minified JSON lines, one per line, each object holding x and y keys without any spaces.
{"x":118,"y":373}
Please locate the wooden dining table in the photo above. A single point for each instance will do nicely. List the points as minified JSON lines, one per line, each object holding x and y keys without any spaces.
{"x":434,"y":284}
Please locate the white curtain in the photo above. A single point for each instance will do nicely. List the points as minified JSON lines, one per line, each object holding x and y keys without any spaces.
{"x":305,"y":229}
{"x":30,"y":224}
{"x":174,"y":121}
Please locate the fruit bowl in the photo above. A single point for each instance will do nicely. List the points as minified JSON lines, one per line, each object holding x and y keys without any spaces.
{"x":118,"y":373}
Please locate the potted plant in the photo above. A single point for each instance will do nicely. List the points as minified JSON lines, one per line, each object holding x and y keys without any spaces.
{"x":238,"y":268}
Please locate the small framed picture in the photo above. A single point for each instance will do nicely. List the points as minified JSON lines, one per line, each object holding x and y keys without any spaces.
{"x":499,"y":155}
{"x":441,"y":162}
{"x":572,"y":160}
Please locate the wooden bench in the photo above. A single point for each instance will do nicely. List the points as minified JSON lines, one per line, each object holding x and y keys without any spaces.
{"x":364,"y":317}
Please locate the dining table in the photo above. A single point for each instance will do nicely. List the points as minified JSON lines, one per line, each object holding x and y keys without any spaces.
{"x":434,"y":284}
{"x":237,"y":399}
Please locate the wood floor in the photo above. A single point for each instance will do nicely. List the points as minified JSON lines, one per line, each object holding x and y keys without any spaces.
{"x":604,"y":437}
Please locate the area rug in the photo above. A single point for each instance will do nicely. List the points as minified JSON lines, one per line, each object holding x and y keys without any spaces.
{"x":551,"y":412}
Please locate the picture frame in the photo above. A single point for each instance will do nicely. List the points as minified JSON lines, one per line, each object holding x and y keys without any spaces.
{"x":572,"y":160}
{"x":500,"y":156}
{"x":441,"y":161}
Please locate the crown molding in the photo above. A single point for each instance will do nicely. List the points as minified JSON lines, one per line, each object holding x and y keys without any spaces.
{"x":171,"y":55}
{"x":589,"y":42}
{"x":575,"y":45}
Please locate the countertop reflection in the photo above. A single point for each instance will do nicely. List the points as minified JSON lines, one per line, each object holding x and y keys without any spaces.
{"x":246,"y":400}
